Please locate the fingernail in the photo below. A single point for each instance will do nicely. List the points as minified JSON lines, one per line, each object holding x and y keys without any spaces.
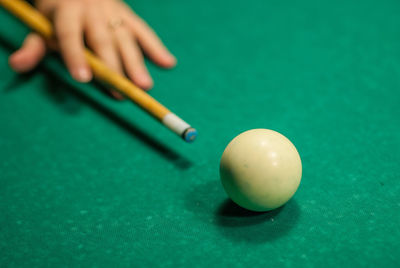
{"x":171,"y":58}
{"x":83,"y":75}
{"x":146,"y":81}
{"x":17,"y":63}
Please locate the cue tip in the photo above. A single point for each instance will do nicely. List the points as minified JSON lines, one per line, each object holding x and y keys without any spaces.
{"x":180,"y":127}
{"x":190,"y":134}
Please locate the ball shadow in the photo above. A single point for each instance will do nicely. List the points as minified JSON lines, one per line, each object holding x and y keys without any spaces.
{"x":230,"y":214}
{"x":209,"y":202}
{"x":240,"y":224}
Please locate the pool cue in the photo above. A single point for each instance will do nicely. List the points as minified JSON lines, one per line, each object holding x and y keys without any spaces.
{"x":40,"y":24}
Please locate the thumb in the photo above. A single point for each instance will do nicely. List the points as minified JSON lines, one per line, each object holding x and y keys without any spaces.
{"x":29,"y":55}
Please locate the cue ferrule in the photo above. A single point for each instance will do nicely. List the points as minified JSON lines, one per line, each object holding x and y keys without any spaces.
{"x":180,"y":127}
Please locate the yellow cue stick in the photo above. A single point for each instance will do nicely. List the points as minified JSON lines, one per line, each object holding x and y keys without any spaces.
{"x":40,"y":24}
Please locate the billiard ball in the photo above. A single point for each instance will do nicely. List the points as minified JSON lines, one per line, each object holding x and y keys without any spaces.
{"x":260,"y":170}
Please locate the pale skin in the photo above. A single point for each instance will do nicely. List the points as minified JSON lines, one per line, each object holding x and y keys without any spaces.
{"x":109,"y":27}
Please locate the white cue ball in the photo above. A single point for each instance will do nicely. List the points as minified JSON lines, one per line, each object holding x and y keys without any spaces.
{"x":260,"y":169}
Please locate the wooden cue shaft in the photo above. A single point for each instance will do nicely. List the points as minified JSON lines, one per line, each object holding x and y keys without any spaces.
{"x":39,"y":23}
{"x":139,"y":96}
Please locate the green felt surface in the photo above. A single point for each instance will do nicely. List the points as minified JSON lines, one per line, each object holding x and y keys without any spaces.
{"x":88,"y":181}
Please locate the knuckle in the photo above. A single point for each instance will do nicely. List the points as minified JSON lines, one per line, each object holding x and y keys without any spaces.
{"x":65,"y":34}
{"x":64,"y":5}
{"x":99,"y":41}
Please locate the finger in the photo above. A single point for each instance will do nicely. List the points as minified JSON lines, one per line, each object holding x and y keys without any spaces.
{"x":68,"y":21}
{"x":100,"y":40}
{"x":148,"y":39}
{"x":29,"y":55}
{"x":132,"y":58}
{"x":150,"y":43}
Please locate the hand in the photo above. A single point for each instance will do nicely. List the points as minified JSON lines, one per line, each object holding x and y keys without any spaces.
{"x":108,"y":27}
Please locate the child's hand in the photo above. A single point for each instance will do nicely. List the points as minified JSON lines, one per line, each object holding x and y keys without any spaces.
{"x":108,"y":27}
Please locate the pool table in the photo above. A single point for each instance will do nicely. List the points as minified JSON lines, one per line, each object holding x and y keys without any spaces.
{"x":88,"y":181}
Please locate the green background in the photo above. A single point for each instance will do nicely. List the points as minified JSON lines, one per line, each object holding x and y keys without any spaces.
{"x":89,"y":181}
